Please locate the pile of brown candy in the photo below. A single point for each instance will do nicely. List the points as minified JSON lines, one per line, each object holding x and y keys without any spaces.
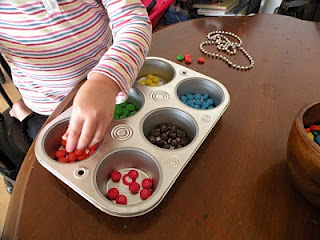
{"x":168,"y":136}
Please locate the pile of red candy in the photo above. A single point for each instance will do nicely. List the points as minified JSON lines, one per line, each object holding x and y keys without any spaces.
{"x":134,"y":186}
{"x":61,"y":155}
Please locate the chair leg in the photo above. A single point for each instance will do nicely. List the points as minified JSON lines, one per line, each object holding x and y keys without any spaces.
{"x":314,"y":10}
{"x":5,"y":95}
{"x":9,"y":185}
{"x":5,"y":65}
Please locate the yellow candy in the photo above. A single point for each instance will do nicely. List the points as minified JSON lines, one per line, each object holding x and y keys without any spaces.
{"x":149,"y":76}
{"x":152,"y":84}
{"x":148,"y":81}
{"x":155,"y":79}
{"x":310,"y":135}
{"x":142,"y":82}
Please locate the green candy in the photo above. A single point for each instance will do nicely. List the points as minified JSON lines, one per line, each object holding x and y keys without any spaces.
{"x":123,"y":116}
{"x":115,"y":116}
{"x":130,"y":107}
{"x":123,"y":105}
{"x":124,"y":111}
{"x":132,"y":113}
{"x":117,"y":111}
{"x":180,"y":57}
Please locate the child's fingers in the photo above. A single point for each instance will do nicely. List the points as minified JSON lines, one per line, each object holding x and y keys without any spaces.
{"x":74,"y":131}
{"x":87,"y":133}
{"x":65,"y":135}
{"x":99,"y":133}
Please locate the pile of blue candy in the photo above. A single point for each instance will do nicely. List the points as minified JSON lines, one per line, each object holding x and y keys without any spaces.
{"x":198,"y":101}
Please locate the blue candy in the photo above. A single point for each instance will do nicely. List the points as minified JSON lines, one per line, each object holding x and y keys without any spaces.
{"x":198,"y":102}
{"x":190,"y":102}
{"x":204,"y":105}
{"x":183,"y":98}
{"x":196,"y":106}
{"x":197,"y":96}
{"x":210,"y":101}
{"x":205,"y":97}
{"x":189,"y":96}
{"x":317,"y":139}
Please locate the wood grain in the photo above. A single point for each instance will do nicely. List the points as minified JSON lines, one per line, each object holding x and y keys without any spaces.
{"x":238,"y":185}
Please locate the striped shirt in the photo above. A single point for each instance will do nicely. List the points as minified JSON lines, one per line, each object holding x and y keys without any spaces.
{"x":52,"y":45}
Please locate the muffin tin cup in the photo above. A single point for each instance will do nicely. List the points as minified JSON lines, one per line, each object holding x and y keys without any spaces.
{"x":126,"y":146}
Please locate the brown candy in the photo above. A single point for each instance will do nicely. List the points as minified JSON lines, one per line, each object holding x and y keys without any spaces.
{"x":181,"y":134}
{"x":166,"y":146}
{"x":164,"y":136}
{"x":168,"y":136}
{"x":160,"y":142}
{"x":184,"y":141}
{"x":172,"y":134}
{"x":173,"y":128}
{"x":155,"y":132}
{"x":174,"y":142}
{"x":163,"y":128}
{"x":152,"y":139}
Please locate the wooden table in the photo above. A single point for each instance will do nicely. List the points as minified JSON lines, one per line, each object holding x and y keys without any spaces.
{"x":237,"y":186}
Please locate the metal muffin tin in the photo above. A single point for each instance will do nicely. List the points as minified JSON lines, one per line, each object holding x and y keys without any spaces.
{"x":125,"y":145}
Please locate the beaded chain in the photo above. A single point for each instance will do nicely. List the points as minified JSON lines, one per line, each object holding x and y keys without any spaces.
{"x":223,"y":43}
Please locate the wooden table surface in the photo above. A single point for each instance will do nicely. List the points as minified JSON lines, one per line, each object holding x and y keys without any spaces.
{"x":237,"y":185}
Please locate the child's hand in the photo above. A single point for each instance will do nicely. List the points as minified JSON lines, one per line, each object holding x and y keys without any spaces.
{"x":92,"y":112}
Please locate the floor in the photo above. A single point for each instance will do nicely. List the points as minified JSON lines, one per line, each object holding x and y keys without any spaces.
{"x":4,"y":195}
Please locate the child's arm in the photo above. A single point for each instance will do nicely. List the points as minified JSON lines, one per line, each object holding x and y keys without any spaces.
{"x":109,"y":82}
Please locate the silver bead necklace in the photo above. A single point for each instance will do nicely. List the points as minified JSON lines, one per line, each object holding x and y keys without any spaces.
{"x":223,"y":43}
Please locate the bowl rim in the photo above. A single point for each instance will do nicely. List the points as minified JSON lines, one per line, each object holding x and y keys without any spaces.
{"x":301,"y":129}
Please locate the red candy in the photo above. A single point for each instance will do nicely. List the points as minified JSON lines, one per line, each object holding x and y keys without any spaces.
{"x":82,"y":157}
{"x":124,"y":179}
{"x":77,"y":155}
{"x":61,"y":153}
{"x":200,"y":60}
{"x":112,"y":193}
{"x":63,"y":142}
{"x":72,"y":156}
{"x":144,"y":188}
{"x":63,"y":160}
{"x":133,"y":174}
{"x":121,"y":199}
{"x":187,"y":55}
{"x":134,"y":187}
{"x":314,"y":128}
{"x":145,"y":193}
{"x":147,"y":183}
{"x":115,"y":176}
{"x":93,"y":147}
{"x":188,"y":59}
{"x":91,"y":152}
{"x":79,"y":152}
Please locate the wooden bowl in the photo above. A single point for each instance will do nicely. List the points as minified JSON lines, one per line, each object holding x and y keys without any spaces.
{"x":303,"y":154}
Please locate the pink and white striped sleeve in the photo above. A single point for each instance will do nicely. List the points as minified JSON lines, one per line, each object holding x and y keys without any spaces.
{"x":131,"y":31}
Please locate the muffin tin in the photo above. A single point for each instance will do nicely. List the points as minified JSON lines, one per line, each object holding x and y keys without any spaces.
{"x":125,"y":145}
